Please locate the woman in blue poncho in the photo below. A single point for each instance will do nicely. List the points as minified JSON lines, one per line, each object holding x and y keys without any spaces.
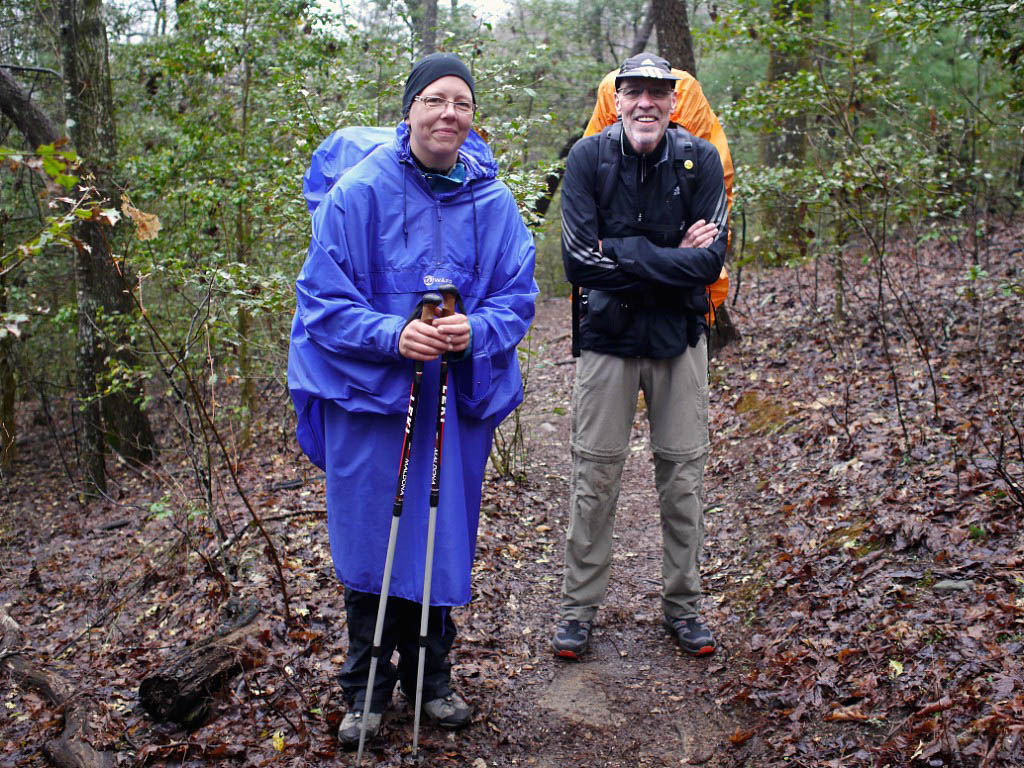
{"x":417,"y":212}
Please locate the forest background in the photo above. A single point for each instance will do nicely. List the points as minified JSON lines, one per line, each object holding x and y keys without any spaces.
{"x":152,"y":223}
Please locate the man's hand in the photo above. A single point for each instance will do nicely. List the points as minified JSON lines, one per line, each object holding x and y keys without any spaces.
{"x":426,"y":341}
{"x":700,"y":235}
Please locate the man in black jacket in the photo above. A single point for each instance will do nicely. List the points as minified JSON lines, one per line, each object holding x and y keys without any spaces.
{"x":644,"y":231}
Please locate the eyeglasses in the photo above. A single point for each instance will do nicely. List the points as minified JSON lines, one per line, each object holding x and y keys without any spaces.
{"x":634,"y":93}
{"x":436,"y":102}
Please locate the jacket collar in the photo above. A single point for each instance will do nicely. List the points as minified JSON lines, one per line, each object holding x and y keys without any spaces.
{"x":659,"y":154}
{"x":475,"y":155}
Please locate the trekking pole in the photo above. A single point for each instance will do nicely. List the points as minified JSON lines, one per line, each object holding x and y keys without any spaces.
{"x":450,"y":292}
{"x":429,"y":304}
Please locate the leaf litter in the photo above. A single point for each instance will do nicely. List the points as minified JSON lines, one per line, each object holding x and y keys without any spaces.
{"x":864,"y":569}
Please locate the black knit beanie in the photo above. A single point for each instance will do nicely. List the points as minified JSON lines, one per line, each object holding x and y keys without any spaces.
{"x":431,"y":68}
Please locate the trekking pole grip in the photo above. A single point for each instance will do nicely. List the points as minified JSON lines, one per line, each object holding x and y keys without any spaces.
{"x":451,"y":296}
{"x":428,"y":306}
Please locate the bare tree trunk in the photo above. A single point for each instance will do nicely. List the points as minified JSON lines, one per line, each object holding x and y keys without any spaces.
{"x":675,"y":42}
{"x":100,"y":284}
{"x":789,"y":140}
{"x":643,"y":32}
{"x":787,"y":146}
{"x":429,"y":31}
{"x":554,"y":179}
{"x":423,"y":15}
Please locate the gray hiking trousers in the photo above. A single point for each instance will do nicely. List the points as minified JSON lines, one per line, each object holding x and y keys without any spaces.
{"x":603,"y":409}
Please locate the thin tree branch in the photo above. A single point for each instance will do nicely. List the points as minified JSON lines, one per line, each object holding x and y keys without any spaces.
{"x":44,"y":70}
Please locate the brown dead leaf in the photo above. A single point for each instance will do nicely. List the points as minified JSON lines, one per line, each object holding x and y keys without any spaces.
{"x":851,"y":713}
{"x":978,"y":631}
{"x":847,"y":653}
{"x":147,"y":225}
{"x":936,"y":706}
{"x":739,"y":736}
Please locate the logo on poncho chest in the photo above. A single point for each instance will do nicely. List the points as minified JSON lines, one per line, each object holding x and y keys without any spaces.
{"x":429,"y":280}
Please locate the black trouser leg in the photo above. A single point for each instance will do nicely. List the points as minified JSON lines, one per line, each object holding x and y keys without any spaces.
{"x":436,"y":666}
{"x":361,"y":611}
{"x":401,"y":631}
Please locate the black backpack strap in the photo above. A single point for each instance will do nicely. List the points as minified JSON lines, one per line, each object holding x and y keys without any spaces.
{"x":576,"y":300}
{"x":609,"y":158}
{"x":687,"y":171}
{"x":685,"y":162}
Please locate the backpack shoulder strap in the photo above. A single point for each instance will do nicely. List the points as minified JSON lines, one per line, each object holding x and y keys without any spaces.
{"x":609,"y":158}
{"x":685,"y":162}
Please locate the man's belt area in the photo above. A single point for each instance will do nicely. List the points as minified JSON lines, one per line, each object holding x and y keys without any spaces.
{"x":691,"y":301}
{"x":612,"y":314}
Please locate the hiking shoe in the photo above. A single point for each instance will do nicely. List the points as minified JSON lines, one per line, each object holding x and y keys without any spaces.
{"x":572,"y":638}
{"x":449,"y":711}
{"x":692,"y":634}
{"x":348,"y":731}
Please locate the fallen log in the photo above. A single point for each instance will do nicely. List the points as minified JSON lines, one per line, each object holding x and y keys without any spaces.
{"x":72,"y":748}
{"x":181,"y":690}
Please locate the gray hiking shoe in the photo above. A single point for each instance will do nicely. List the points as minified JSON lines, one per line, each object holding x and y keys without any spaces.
{"x":692,"y":634}
{"x":571,"y":639}
{"x":348,"y":731}
{"x":449,"y":711}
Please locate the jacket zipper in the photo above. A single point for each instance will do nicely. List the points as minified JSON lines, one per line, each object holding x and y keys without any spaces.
{"x":437,"y":234}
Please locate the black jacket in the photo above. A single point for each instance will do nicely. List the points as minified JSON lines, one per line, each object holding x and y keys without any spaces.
{"x":643,"y":296}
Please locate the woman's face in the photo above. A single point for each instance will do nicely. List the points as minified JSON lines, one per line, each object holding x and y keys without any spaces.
{"x":437,"y":132}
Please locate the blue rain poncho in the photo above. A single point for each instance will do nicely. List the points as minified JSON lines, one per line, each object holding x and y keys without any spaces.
{"x":381,"y":239}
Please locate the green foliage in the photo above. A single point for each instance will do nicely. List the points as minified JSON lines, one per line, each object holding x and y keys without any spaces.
{"x":901,"y":116}
{"x":903,"y":131}
{"x":54,"y":165}
{"x":986,"y":29}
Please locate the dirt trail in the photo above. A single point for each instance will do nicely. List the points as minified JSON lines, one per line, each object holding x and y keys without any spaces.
{"x":830,"y":558}
{"x":635,"y":699}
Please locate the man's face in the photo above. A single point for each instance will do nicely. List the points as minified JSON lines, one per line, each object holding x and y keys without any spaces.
{"x":645,"y":105}
{"x":437,"y":130}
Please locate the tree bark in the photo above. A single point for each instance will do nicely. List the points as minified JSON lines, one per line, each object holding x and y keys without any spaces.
{"x":100,"y":284}
{"x":643,"y":32}
{"x":243,"y":244}
{"x":17,"y":106}
{"x":423,"y":14}
{"x":180,"y":691}
{"x":429,"y":31}
{"x":675,"y":42}
{"x":789,"y":140}
{"x":787,"y":146}
{"x":723,"y":333}
{"x":8,"y":432}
